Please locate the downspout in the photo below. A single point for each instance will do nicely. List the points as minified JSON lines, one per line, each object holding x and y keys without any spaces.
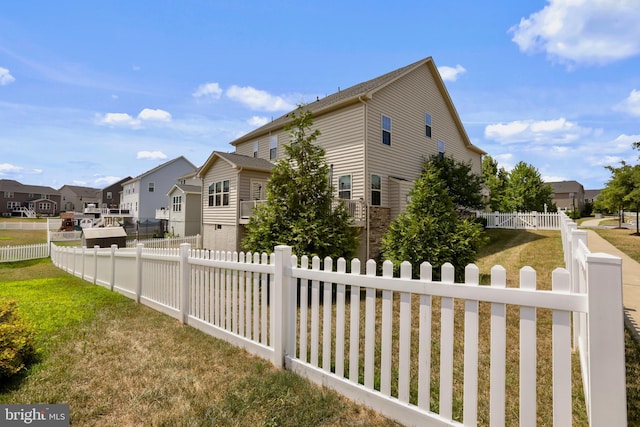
{"x":366,"y":167}
{"x":237,"y":220}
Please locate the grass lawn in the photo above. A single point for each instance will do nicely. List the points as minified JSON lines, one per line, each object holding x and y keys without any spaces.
{"x":118,"y":363}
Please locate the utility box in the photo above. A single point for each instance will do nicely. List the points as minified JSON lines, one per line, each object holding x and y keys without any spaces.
{"x":104,"y":237}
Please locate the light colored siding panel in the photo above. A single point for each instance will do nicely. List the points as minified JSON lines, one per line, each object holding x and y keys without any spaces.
{"x":406,"y":102}
{"x":220,"y":171}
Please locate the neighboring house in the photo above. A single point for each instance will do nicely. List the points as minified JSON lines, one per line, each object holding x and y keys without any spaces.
{"x":17,"y":199}
{"x":110,"y":196}
{"x":376,"y":135}
{"x":76,"y":198}
{"x":183,"y":216}
{"x":145,"y":193}
{"x":590,"y":196}
{"x":568,"y":195}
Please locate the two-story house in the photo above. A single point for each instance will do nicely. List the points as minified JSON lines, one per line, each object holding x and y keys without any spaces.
{"x":145,"y":193}
{"x":75,"y":197}
{"x":183,"y":215}
{"x":568,"y":195}
{"x":17,"y":199}
{"x":110,"y":195}
{"x":377,"y":136}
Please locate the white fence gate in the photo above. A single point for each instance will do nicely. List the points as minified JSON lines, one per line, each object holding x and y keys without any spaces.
{"x":251,"y":301}
{"x":522,"y":220}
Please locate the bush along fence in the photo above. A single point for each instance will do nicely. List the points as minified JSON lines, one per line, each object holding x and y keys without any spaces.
{"x":374,"y":338}
{"x":522,"y":220}
{"x":24,"y":252}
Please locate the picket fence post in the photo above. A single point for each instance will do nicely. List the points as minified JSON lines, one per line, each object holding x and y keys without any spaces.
{"x":283,"y":318}
{"x":95,"y":263}
{"x":138,"y":271}
{"x":112,"y":283}
{"x":573,"y":266}
{"x":185,"y":285}
{"x":606,"y":386}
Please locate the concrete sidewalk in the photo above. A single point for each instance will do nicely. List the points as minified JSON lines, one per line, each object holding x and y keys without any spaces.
{"x":630,"y":275}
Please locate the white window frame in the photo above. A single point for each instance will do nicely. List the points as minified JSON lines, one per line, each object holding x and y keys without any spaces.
{"x":219,"y":193}
{"x":376,"y":190}
{"x":273,"y":147}
{"x":256,"y":147}
{"x":151,"y":187}
{"x":176,"y":203}
{"x":428,"y":128}
{"x":440,"y":149}
{"x":384,"y":129}
{"x":342,"y":190}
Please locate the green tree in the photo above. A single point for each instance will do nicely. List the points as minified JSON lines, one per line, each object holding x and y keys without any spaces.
{"x":525,"y":190}
{"x":430,"y":229}
{"x":299,"y":210}
{"x":496,"y":180}
{"x":622,"y":191}
{"x":463,"y":185}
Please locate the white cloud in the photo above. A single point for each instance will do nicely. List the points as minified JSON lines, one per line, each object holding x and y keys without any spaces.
{"x":451,"y":74}
{"x":9,"y":168}
{"x":257,"y":99}
{"x":151,"y":155}
{"x":6,"y":77}
{"x":119,"y":119}
{"x":157,"y":115}
{"x":631,"y":104}
{"x":551,"y":178}
{"x":559,"y":131}
{"x":582,"y":31}
{"x":211,"y":90}
{"x":126,"y":120}
{"x":258,"y":121}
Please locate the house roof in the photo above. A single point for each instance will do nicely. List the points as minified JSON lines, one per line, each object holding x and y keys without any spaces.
{"x":185,"y":188}
{"x":566,"y":186}
{"x":364,"y":91}
{"x":150,"y":171}
{"x":17,"y":187}
{"x":237,"y":161}
{"x":82,"y":191}
{"x":103,"y":232}
{"x":591,"y":194}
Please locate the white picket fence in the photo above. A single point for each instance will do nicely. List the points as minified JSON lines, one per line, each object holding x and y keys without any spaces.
{"x":24,"y":252}
{"x":23,"y":225}
{"x":522,"y":220}
{"x":251,"y":301}
{"x":168,"y":242}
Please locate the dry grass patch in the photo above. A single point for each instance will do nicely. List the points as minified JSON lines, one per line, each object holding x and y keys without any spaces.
{"x":623,"y":239}
{"x":22,"y":237}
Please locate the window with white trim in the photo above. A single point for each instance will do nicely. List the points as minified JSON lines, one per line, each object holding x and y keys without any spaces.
{"x":109,"y":195}
{"x":152,"y":187}
{"x":8,"y":195}
{"x":440,"y":150}
{"x":386,"y":130}
{"x":344,"y":187}
{"x":256,"y":146}
{"x":273,"y":147}
{"x":376,"y":190}
{"x":427,"y":125}
{"x":44,"y":206}
{"x":219,"y":193}
{"x":176,"y":203}
{"x":13,"y":205}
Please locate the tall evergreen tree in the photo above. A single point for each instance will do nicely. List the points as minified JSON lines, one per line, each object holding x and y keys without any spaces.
{"x":462,"y":184}
{"x":300,"y":210}
{"x":430,"y":229}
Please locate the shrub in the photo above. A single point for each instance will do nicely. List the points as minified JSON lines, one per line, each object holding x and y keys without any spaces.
{"x":17,"y":341}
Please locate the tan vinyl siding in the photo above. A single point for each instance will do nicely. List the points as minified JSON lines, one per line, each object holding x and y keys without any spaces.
{"x":220,"y":171}
{"x":406,"y":102}
{"x":246,"y":177}
{"x":342,"y":137}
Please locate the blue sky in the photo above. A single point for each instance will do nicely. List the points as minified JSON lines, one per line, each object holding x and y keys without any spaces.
{"x":91,"y":92}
